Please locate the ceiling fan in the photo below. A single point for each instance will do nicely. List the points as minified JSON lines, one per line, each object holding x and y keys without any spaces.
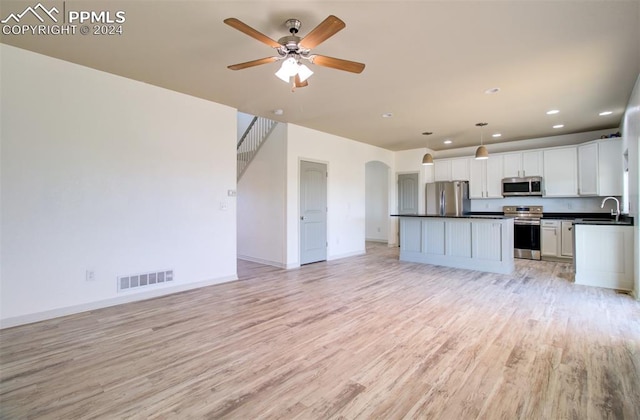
{"x":292,"y":49}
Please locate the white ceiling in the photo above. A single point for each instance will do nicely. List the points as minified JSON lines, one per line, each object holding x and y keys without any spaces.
{"x":427,"y":62}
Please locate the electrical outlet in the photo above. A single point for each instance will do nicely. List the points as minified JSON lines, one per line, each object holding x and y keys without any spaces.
{"x":90,"y":275}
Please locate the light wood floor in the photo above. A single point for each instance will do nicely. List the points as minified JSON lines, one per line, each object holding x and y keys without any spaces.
{"x":364,"y":337}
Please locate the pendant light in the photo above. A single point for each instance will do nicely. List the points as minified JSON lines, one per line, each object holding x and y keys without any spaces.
{"x":481,"y":152}
{"x":427,"y":159}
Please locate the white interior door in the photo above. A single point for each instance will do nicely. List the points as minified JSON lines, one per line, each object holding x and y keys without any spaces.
{"x":408,"y":193}
{"x":313,"y":212}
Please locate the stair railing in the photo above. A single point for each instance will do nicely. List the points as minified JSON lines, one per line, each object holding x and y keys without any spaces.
{"x":251,"y":140}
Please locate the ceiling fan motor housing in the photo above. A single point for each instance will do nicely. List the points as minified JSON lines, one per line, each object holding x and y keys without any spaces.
{"x":293,"y":25}
{"x":290,"y":42}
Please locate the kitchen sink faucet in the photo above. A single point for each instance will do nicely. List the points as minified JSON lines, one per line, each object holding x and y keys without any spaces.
{"x":615,"y":212}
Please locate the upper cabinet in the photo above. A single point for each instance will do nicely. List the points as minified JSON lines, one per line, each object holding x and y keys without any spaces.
{"x":429,"y":175}
{"x":520,"y":164}
{"x":594,"y":169}
{"x":600,"y":166}
{"x":610,"y":167}
{"x":560,"y":172}
{"x":456,"y":169}
{"x":486,"y":177}
{"x":588,"y":169}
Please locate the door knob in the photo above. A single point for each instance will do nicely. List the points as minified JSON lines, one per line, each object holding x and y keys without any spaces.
{"x":301,"y":217}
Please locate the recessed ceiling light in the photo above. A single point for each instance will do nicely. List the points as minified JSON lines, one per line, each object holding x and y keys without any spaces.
{"x":447,"y":142}
{"x":558,"y":126}
{"x":387,"y":115}
{"x":491,"y":91}
{"x":605,"y":113}
{"x":553,"y":111}
{"x":496,"y":135}
{"x":278,"y":111}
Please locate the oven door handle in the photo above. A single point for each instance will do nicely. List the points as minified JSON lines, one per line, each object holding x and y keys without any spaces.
{"x":527,"y":222}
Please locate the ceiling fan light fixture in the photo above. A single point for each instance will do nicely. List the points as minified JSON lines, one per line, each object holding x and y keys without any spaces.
{"x":304,"y":72}
{"x":283,"y":75}
{"x":288,"y":69}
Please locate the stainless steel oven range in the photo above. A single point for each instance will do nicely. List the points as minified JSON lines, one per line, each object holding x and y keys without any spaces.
{"x":526,"y":230}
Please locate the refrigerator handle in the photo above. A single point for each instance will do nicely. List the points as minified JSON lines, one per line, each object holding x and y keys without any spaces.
{"x":442,"y":206}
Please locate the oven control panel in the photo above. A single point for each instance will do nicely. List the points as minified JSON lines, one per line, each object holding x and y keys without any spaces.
{"x":522,"y":211}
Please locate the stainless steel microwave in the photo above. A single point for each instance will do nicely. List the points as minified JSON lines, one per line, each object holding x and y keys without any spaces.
{"x":527,"y":186}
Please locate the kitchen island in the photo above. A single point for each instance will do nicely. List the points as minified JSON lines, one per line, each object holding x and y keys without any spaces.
{"x":604,"y":253}
{"x":482,"y":243}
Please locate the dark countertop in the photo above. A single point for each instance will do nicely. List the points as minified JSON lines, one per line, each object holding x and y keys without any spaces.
{"x":577,"y":218}
{"x":622,"y":221}
{"x":590,"y":218}
{"x":464,"y":216}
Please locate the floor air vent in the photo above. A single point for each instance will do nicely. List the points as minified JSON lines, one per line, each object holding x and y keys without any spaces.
{"x":144,"y":280}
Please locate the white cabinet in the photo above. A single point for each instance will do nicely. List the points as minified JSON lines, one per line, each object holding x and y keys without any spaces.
{"x":604,"y":256}
{"x":556,"y":238}
{"x":451,"y":169}
{"x":566,"y":238}
{"x":532,"y":163}
{"x":600,"y":168}
{"x":550,"y":238}
{"x":485,"y":180}
{"x":560,"y":172}
{"x":442,"y":170}
{"x":460,"y":169}
{"x":588,"y":169}
{"x":429,"y":175}
{"x":610,"y":167}
{"x":519,"y":164}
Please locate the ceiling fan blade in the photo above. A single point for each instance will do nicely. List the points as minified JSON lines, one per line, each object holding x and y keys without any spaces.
{"x":248,"y":30}
{"x":297,"y":83}
{"x":337,"y":63}
{"x":326,"y":29}
{"x":253,"y":63}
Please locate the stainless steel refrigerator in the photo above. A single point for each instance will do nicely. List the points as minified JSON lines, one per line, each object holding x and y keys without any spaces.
{"x":447,"y":198}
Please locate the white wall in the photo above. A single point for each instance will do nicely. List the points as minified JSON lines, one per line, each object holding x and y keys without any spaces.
{"x":631,"y":142}
{"x":377,"y":201}
{"x":104,"y":173}
{"x":262,"y":203}
{"x":345,"y":161}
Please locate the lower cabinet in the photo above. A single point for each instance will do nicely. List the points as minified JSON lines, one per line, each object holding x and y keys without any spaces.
{"x":566,"y":238}
{"x":549,"y":238}
{"x":476,"y":244}
{"x":556,"y":237}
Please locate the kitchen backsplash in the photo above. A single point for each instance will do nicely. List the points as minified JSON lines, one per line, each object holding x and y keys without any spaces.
{"x":550,"y":205}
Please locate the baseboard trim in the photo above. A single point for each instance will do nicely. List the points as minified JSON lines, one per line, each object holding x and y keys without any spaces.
{"x":382,"y":241}
{"x":347,"y":255}
{"x":118,"y":300}
{"x":262,"y":261}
